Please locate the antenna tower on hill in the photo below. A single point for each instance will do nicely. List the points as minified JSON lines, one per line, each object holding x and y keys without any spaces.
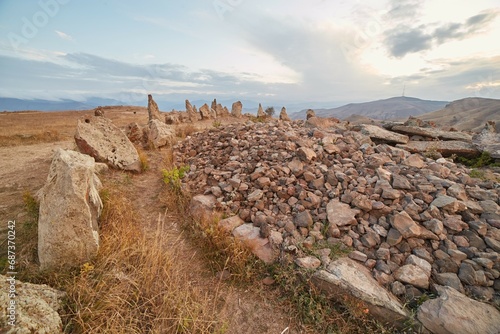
{"x":404,"y":88}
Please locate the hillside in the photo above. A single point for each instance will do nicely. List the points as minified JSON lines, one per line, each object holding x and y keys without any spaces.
{"x":12,"y":104}
{"x":466,"y":114}
{"x":393,"y":108}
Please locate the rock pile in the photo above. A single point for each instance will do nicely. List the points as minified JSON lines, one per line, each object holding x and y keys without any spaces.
{"x":413,"y":222}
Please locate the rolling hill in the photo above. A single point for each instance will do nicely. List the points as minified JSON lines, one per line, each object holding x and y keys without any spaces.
{"x":466,"y":114}
{"x":393,"y":108}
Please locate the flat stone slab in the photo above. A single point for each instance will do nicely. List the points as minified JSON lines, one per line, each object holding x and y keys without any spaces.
{"x":381,"y":134}
{"x":446,"y":148}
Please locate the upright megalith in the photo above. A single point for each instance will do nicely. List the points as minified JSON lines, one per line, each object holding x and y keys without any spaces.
{"x":153,"y":110}
{"x":284,"y":116}
{"x":260,"y":111}
{"x":69,"y":209}
{"x":236,"y":109}
{"x":310,"y":113}
{"x":205,"y":112}
{"x":160,"y":134}
{"x":101,"y":139}
{"x":191,"y":112}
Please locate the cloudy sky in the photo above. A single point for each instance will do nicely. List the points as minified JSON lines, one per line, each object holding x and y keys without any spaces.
{"x":281,"y":50}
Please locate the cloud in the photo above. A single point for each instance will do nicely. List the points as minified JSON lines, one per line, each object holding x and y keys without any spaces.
{"x":403,"y":40}
{"x":63,"y":35}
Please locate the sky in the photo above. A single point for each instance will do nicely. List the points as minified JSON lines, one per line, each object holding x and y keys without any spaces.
{"x":281,"y":50}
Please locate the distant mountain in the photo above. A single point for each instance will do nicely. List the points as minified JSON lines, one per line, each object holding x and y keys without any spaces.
{"x":11,"y":104}
{"x":466,"y":114}
{"x":393,"y":108}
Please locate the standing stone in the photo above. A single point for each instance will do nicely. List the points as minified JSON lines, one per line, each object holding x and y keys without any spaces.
{"x":310,"y":114}
{"x":284,"y":116}
{"x":191,"y":112}
{"x":69,"y":209}
{"x":214,"y":104}
{"x":153,"y":110}
{"x":205,"y":112}
{"x":134,"y":133}
{"x":160,"y":134}
{"x":455,"y":313}
{"x":101,"y":139}
{"x":98,"y":112}
{"x":221,"y":111}
{"x":488,"y":140}
{"x":236,"y":109}
{"x":260,"y":111}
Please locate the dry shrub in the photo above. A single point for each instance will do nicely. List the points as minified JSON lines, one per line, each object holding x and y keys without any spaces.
{"x":184,"y":130}
{"x":133,"y":286}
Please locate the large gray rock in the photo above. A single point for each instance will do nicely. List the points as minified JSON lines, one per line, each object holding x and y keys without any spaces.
{"x":379,"y":134}
{"x":160,"y":134}
{"x":488,"y":140}
{"x":446,"y":148}
{"x":454,"y":313}
{"x":101,"y":139}
{"x":205,"y":112}
{"x":36,"y":308}
{"x":236,"y":109}
{"x":69,"y":209}
{"x":153,"y":110}
{"x":346,"y":277}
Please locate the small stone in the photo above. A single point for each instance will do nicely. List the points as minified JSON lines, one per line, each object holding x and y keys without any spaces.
{"x":358,"y":256}
{"x":309,"y":262}
{"x":413,"y":275}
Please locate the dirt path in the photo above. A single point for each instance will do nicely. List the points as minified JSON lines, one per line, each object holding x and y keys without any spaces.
{"x":245,"y":311}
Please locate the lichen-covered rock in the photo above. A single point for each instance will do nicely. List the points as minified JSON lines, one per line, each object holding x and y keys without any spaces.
{"x":36,"y":308}
{"x":160,"y":134}
{"x":101,"y":139}
{"x":70,"y":206}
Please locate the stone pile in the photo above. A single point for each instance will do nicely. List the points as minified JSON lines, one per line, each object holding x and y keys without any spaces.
{"x":412,"y":221}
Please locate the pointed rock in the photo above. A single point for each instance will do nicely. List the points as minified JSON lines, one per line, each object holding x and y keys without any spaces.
{"x":260,"y":111}
{"x":153,"y":110}
{"x":284,"y":116}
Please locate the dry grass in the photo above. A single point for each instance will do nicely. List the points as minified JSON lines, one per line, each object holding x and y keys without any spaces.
{"x":134,"y":285}
{"x":184,"y":130}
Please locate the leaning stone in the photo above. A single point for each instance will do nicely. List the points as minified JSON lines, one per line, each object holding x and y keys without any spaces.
{"x":346,"y":277}
{"x":455,"y":313}
{"x":68,"y":233}
{"x":153,"y":110}
{"x":101,"y":139}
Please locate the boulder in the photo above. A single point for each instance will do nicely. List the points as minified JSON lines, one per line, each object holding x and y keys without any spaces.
{"x":346,"y":277}
{"x":37,"y":307}
{"x":284,"y":116}
{"x":377,"y":133}
{"x":260,"y":111}
{"x":68,"y":233}
{"x":310,"y":113}
{"x":488,"y":140}
{"x":205,"y":112}
{"x":412,"y":274}
{"x":160,"y":134}
{"x":202,"y":206}
{"x":445,"y":148}
{"x":98,"y":112}
{"x":134,"y":133}
{"x":455,"y":313}
{"x":432,"y":133}
{"x":153,"y":110}
{"x":236,"y":109}
{"x":172,"y":118}
{"x":191,"y":112}
{"x":101,"y":139}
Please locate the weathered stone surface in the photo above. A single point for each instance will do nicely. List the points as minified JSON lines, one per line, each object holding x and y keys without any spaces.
{"x":405,"y":225}
{"x":98,"y":112}
{"x":250,"y":236}
{"x":134,"y":133}
{"x":432,"y":133}
{"x":380,"y":134}
{"x":348,"y":277}
{"x":236,"y":109}
{"x":68,"y":234}
{"x":101,"y":139}
{"x":36,"y":308}
{"x":341,"y":214}
{"x":160,"y":134}
{"x":284,"y":116}
{"x":191,"y":112}
{"x":153,"y":110}
{"x":303,"y":219}
{"x":488,"y":140}
{"x":310,"y":114}
{"x":229,"y":224}
{"x":306,"y":154}
{"x":454,"y":313}
{"x":446,"y":148}
{"x":202,"y":206}
{"x":205,"y":112}
{"x":413,"y":275}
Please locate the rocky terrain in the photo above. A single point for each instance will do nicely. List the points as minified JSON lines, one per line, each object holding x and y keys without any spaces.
{"x":415,"y":223}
